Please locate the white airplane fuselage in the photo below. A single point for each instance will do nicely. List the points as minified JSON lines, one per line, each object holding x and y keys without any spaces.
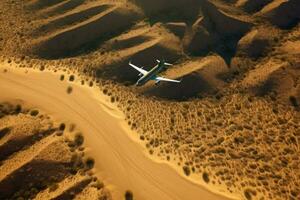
{"x":150,"y":75}
{"x":146,"y":76}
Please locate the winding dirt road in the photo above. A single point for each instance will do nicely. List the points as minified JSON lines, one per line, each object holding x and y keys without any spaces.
{"x":120,"y":160}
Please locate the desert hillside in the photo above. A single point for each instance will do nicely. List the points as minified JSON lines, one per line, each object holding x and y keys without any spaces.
{"x":41,"y":159}
{"x":232,"y":124}
{"x":98,"y":38}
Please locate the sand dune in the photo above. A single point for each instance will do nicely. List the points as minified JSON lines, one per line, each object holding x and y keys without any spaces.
{"x":288,"y":9}
{"x":38,"y":160}
{"x":252,"y":5}
{"x":84,"y":32}
{"x":232,"y":124}
{"x":200,"y":77}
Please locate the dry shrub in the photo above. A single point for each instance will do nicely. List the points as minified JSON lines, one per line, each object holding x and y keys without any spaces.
{"x":186,"y":170}
{"x":34,"y":112}
{"x":89,"y":163}
{"x":69,"y":89}
{"x":78,"y":139}
{"x":62,"y":126}
{"x":294,"y":101}
{"x":62,"y":77}
{"x":42,"y":68}
{"x":71,"y":78}
{"x":128,"y":195}
{"x":205,"y":177}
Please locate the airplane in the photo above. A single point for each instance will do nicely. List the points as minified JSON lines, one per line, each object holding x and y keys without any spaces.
{"x":151,"y":75}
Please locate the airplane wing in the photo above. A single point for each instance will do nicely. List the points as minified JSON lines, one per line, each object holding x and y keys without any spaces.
{"x":166,"y":79}
{"x":138,"y":69}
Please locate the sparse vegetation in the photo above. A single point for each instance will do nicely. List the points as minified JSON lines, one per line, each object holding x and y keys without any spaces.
{"x":112,"y":99}
{"x":205,"y":177}
{"x":186,"y":170}
{"x":72,"y":127}
{"x":69,"y":90}
{"x":18,"y":108}
{"x":71,"y":78}
{"x":34,"y":112}
{"x":89,"y":162}
{"x":294,"y":101}
{"x":128,"y":195}
{"x":78,"y":139}
{"x":62,"y":126}
{"x":42,"y":68}
{"x":248,"y":193}
{"x":62,"y":77}
{"x":105,"y":91}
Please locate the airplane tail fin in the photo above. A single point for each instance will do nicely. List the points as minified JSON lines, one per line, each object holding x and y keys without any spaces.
{"x":165,"y":63}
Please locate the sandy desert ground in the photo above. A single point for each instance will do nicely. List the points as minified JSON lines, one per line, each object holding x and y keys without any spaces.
{"x":229,"y":130}
{"x":123,"y":163}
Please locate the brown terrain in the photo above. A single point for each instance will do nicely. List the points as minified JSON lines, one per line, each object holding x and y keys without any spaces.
{"x":43,"y":160}
{"x":231,"y":126}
